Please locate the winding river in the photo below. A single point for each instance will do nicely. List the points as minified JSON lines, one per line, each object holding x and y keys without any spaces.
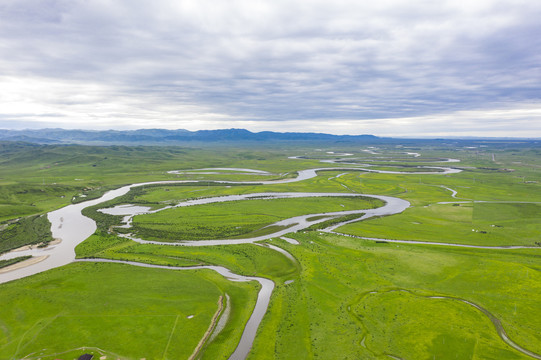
{"x":392,"y":206}
{"x":69,"y":225}
{"x":495,"y":321}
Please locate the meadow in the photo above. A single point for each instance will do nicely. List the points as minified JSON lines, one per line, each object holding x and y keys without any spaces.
{"x":236,"y":219}
{"x":346,"y":297}
{"x":95,"y":305}
{"x":39,"y":178}
{"x":340,"y":298}
{"x":486,"y":224}
{"x":325,"y":299}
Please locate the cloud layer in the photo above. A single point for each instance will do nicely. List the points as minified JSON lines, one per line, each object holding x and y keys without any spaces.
{"x":389,"y":67}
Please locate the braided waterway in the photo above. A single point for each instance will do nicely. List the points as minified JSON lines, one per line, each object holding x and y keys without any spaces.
{"x":71,"y":227}
{"x":392,"y":206}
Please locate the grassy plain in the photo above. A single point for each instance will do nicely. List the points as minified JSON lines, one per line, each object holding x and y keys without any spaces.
{"x":329,"y":304}
{"x":96,"y":305}
{"x":486,"y":224}
{"x":237,"y":219}
{"x":244,"y":259}
{"x":343,"y":298}
{"x":38,"y":178}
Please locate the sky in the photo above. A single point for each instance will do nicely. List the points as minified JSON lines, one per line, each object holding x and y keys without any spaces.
{"x":385,"y":67}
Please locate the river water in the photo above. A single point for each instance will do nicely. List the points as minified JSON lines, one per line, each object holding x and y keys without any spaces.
{"x":293,"y":224}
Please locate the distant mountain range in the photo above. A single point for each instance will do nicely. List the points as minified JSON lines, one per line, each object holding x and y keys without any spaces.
{"x":225,"y":136}
{"x":162,"y":136}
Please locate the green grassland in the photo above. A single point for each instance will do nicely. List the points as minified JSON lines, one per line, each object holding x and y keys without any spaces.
{"x":331,"y":306}
{"x":330,"y":303}
{"x":39,"y":178}
{"x":96,"y":305}
{"x":244,"y":259}
{"x":486,"y":224}
{"x":159,"y":195}
{"x":342,"y":297}
{"x":236,"y":219}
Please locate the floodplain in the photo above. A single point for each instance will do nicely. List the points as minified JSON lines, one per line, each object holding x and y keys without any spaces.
{"x":466,"y":267}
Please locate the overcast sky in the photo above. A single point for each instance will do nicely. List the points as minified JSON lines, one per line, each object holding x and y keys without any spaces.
{"x":383,"y":67}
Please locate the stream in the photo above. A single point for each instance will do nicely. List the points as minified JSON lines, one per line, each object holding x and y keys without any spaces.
{"x":495,"y":321}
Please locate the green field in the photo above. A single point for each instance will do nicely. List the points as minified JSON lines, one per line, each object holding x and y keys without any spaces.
{"x":472,"y":223}
{"x":96,"y":306}
{"x":237,"y":219}
{"x":340,"y":298}
{"x":331,"y":304}
{"x":244,"y":259}
{"x":39,"y":178}
{"x":332,"y":288}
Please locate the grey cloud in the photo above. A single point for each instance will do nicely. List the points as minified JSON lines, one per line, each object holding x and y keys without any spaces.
{"x":278,"y":60}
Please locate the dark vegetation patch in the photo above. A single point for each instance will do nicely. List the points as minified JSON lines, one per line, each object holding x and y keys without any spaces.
{"x":6,"y":263}
{"x":27,"y":231}
{"x":104,"y":222}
